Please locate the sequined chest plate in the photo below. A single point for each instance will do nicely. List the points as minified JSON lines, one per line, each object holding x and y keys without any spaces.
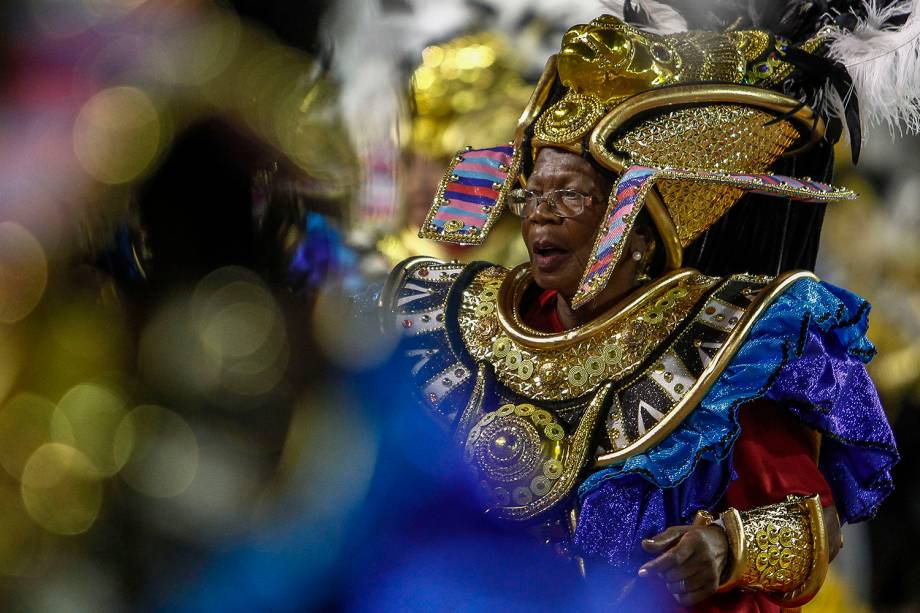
{"x":567,"y":366}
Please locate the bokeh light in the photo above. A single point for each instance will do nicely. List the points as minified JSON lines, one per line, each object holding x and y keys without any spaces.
{"x":236,"y":314}
{"x":219,"y":500}
{"x":204,"y":48}
{"x":87,"y":417}
{"x":61,"y":18}
{"x":240,"y":326}
{"x":117,"y":134}
{"x":11,"y":357}
{"x":23,"y":272}
{"x":70,"y":17}
{"x":170,"y":356}
{"x":130,"y":57}
{"x":159,"y":451}
{"x":23,"y":545}
{"x":359,"y":344}
{"x":61,"y":489}
{"x":326,"y":422}
{"x":25,"y":425}
{"x":111,"y":9}
{"x":83,"y":340}
{"x":229,"y":335}
{"x":77,"y":585}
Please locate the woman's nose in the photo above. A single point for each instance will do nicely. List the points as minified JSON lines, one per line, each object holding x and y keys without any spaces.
{"x":542,"y":214}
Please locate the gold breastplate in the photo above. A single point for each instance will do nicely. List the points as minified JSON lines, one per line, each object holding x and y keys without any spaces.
{"x":570,"y":364}
{"x":594,"y":395}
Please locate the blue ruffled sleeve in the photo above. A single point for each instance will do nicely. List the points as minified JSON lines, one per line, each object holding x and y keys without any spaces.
{"x":807,"y":353}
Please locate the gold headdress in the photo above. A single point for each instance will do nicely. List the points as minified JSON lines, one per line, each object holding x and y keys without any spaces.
{"x":687,"y":121}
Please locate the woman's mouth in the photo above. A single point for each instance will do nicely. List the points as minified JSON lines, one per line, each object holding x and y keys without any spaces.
{"x":547,"y":255}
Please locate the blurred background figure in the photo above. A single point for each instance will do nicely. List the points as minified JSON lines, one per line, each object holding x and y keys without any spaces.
{"x":188,"y":420}
{"x":442,"y":77}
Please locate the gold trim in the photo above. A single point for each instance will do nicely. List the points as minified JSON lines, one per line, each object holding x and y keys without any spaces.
{"x":739,"y":530}
{"x":537,"y":100}
{"x":673,"y":252}
{"x":710,"y":374}
{"x":576,"y":454}
{"x":429,"y":231}
{"x":562,"y":367}
{"x":820,"y":560}
{"x":660,"y":99}
{"x":733,"y":528}
{"x":517,"y":281}
{"x":473,"y":407}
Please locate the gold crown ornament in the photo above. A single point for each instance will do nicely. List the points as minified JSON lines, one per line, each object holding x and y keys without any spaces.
{"x":687,"y":122}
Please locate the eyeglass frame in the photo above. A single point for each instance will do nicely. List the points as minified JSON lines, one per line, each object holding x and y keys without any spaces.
{"x":550,"y":198}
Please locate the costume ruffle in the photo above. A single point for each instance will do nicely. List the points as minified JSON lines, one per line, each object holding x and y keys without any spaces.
{"x":806,"y":353}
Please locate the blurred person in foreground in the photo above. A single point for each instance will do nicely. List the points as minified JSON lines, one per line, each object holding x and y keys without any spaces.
{"x":665,"y":393}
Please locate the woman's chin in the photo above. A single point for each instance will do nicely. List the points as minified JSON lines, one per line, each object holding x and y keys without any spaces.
{"x":554,"y":280}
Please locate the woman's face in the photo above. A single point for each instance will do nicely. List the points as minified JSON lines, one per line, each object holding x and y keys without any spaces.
{"x":559,"y":247}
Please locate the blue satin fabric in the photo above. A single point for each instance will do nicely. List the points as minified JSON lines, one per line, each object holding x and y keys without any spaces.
{"x":807,"y":353}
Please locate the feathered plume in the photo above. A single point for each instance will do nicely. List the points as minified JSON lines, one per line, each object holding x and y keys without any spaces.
{"x":649,"y":15}
{"x":883,"y":59}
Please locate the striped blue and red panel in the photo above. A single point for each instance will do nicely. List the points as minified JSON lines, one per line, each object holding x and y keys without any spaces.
{"x":628,"y":198}
{"x":471,"y":191}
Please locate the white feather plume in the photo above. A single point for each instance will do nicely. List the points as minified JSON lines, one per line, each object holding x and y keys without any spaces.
{"x":884,"y":63}
{"x":664,"y":19}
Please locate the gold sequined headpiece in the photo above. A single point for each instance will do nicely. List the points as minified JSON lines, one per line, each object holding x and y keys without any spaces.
{"x":688,"y":122}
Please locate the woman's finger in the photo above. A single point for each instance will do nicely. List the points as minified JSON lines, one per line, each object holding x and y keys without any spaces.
{"x":675,"y":556}
{"x":688,"y":569}
{"x":662,"y":541}
{"x":689,"y":584}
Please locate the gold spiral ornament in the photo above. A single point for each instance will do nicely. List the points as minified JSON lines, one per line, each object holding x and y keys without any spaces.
{"x":570,"y":118}
{"x":517,"y":451}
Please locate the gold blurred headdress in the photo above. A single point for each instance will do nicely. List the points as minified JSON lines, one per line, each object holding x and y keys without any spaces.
{"x":464,"y":90}
{"x":688,"y":122}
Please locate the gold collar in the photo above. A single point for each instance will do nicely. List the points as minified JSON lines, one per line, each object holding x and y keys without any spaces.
{"x":570,"y":364}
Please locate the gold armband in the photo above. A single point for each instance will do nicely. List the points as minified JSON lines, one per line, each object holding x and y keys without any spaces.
{"x":780,"y":549}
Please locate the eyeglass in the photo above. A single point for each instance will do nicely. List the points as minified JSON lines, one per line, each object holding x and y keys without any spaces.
{"x":561,"y":202}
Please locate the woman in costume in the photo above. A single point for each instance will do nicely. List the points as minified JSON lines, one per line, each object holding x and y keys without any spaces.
{"x":662,"y":392}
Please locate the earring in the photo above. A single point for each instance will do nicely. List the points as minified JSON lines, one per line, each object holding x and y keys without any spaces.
{"x":642,"y":268}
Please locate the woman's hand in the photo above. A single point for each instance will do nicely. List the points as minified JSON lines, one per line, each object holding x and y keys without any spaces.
{"x":691,"y":562}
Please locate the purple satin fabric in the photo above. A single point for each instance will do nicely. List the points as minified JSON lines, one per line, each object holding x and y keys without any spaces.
{"x":830,"y":391}
{"x":622,"y":512}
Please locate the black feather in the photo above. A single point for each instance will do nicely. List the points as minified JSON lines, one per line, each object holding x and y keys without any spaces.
{"x":817,"y":71}
{"x":635,"y":14}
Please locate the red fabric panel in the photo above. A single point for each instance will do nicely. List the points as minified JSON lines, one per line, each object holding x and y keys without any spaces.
{"x":542,"y":316}
{"x":774,"y":456}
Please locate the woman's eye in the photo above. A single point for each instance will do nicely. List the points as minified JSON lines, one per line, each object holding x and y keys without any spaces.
{"x":569,"y":197}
